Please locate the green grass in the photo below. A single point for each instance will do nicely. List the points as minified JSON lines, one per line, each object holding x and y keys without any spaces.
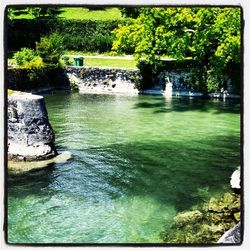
{"x":103,"y":62}
{"x":80,"y":14}
{"x":84,"y":13}
{"x":86,"y":53}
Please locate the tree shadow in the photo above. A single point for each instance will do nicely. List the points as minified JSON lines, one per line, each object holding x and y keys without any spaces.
{"x":183,"y":104}
{"x":181,"y":174}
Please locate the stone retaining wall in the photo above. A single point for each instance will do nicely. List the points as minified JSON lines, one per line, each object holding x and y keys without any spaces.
{"x":95,"y":79}
{"x":172,"y":82}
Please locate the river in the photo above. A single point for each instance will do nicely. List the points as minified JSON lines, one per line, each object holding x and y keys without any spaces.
{"x":136,"y":162}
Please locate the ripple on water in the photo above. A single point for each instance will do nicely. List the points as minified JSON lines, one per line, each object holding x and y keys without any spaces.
{"x":136,"y":161}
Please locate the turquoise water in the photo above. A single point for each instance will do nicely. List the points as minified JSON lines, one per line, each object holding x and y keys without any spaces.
{"x":136,"y":162}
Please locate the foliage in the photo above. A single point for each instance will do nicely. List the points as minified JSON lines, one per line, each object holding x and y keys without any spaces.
{"x":36,"y":63}
{"x":210,"y":35}
{"x":23,"y":56}
{"x":130,"y":12}
{"x":33,"y":78}
{"x":85,"y":35}
{"x":31,"y":12}
{"x":38,"y":12}
{"x":50,"y":49}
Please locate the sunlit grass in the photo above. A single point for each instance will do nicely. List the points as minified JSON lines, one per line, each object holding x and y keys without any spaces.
{"x":103,"y":62}
{"x":80,"y":14}
{"x":84,"y":13}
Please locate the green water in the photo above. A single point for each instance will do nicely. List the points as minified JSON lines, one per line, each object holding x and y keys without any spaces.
{"x":137,"y":161}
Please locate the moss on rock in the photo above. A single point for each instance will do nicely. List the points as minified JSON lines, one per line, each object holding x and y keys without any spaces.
{"x":207,"y":224}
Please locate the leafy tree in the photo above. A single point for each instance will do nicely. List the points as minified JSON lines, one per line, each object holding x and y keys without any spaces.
{"x":50,"y":49}
{"x":210,"y":35}
{"x":130,"y":12}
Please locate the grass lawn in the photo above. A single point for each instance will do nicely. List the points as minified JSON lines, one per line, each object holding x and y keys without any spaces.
{"x":80,"y":14}
{"x":84,"y":13}
{"x":103,"y":62}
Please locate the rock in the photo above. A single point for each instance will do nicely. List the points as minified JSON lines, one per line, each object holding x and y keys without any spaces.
{"x":215,"y":206}
{"x":231,"y":236}
{"x":235,"y":179}
{"x":30,"y":135}
{"x":185,"y":218}
{"x":21,"y":167}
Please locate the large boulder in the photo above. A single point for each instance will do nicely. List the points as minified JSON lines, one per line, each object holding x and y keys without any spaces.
{"x":30,"y":135}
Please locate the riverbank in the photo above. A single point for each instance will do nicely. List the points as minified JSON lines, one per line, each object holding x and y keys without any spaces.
{"x":103,"y":80}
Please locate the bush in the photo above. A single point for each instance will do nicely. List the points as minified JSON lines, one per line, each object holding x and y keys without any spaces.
{"x":24,"y":56}
{"x":36,"y":63}
{"x":50,"y":49}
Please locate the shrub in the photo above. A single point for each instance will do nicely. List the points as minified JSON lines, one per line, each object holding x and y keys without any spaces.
{"x":50,"y":49}
{"x":24,"y":56}
{"x":36,"y":63}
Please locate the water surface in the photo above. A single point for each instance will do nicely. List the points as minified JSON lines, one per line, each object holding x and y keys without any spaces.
{"x":137,"y":161}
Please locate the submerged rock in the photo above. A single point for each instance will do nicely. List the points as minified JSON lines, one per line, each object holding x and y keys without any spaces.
{"x":189,"y":217}
{"x":30,"y":135}
{"x":207,"y":223}
{"x":21,"y":167}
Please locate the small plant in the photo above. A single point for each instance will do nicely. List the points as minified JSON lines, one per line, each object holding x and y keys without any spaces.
{"x":25,"y":55}
{"x":36,"y":63}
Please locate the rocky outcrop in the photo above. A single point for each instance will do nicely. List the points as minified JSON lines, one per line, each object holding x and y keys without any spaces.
{"x":30,"y":135}
{"x":233,"y":235}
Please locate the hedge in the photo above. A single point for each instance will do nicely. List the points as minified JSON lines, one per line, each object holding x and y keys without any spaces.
{"x":82,"y":35}
{"x":22,"y":79}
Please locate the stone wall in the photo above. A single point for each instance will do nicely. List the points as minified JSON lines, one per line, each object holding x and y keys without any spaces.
{"x":30,"y":135}
{"x":120,"y":80}
{"x":104,"y":80}
{"x":172,"y":82}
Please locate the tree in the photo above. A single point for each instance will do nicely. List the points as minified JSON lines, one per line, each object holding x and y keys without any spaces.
{"x":50,"y":49}
{"x":130,"y":12}
{"x":210,"y":35}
